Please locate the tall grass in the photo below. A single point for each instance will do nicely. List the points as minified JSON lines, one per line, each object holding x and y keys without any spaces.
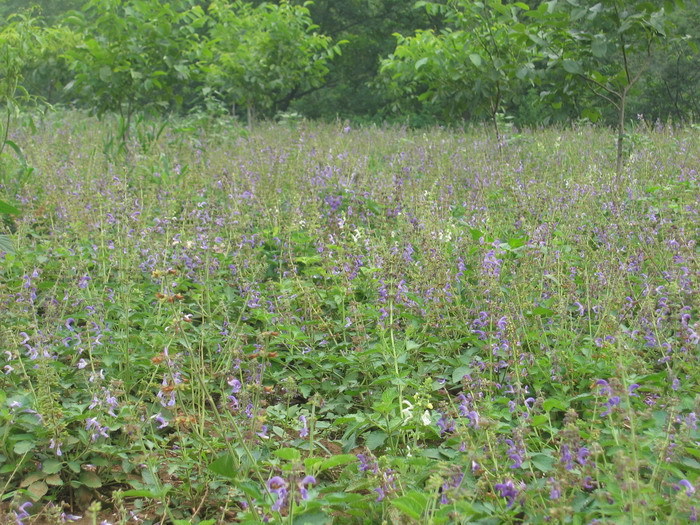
{"x":315,"y":324}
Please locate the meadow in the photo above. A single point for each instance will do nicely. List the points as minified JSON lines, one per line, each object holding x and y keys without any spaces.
{"x":310,"y":323}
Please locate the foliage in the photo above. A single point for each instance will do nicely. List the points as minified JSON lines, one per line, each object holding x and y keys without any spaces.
{"x":135,"y":55}
{"x":52,"y":10}
{"x":313,"y":323}
{"x":367,"y":26}
{"x":243,"y":57}
{"x":470,"y":68}
{"x":669,"y":89}
{"x":261,"y":58}
{"x":21,"y":40}
{"x":605,"y":47}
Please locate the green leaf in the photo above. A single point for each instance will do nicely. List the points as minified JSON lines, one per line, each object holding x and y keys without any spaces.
{"x":476,"y":59}
{"x":553,"y":403}
{"x":23,"y":447}
{"x":542,"y":462}
{"x":413,"y":504}
{"x":51,"y":466}
{"x":38,"y":490}
{"x":517,"y":242}
{"x":459,"y":373}
{"x":225,"y":466}
{"x":6,"y":244}
{"x":17,"y":150}
{"x":591,"y":114}
{"x":420,"y":63}
{"x":411,"y":345}
{"x":539,"y":420}
{"x":691,"y":463}
{"x":312,"y":518}
{"x":375,"y":439}
{"x":140,"y":493}
{"x":31,"y":478}
{"x":289,"y":454}
{"x":90,"y":479}
{"x":7,"y":209}
{"x":573,"y":67}
{"x":599,"y":47}
{"x":336,"y":461}
{"x":54,"y":480}
{"x":105,"y":73}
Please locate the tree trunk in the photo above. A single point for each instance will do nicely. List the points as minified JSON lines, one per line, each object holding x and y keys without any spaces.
{"x":250,"y":116}
{"x":619,"y":161}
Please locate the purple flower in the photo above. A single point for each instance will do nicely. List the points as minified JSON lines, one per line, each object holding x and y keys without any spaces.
{"x":689,"y":488}
{"x":473,"y":417}
{"x":84,"y":280}
{"x":98,"y":430}
{"x":502,"y":323}
{"x":453,"y":482}
{"x":587,"y":483}
{"x":235,"y":385}
{"x":304,"y":486}
{"x":55,"y":446}
{"x":605,"y":388}
{"x":278,"y":486}
{"x":508,"y":491}
{"x":21,"y":513}
{"x":367,"y":464}
{"x":491,"y":264}
{"x":610,"y":403}
{"x":408,"y":252}
{"x":566,"y":457}
{"x":381,"y":494}
{"x":463,"y":404}
{"x":515,"y":453}
{"x":581,"y":455}
{"x":304,"y":432}
{"x":162,"y":423}
{"x":235,"y":405}
{"x":555,"y":491}
{"x":446,"y":424}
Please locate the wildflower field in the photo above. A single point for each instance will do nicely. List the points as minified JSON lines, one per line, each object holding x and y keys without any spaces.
{"x":310,"y":324}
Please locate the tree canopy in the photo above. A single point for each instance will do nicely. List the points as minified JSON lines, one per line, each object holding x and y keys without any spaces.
{"x":447,"y":61}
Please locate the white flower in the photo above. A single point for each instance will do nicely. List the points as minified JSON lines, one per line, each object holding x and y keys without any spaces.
{"x":407,"y":412}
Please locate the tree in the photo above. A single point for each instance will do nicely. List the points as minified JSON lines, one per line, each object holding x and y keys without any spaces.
{"x":263,"y":57}
{"x":472,"y":68}
{"x":47,"y":9}
{"x":368,"y":27}
{"x":670,"y":88}
{"x":21,"y":39}
{"x":605,"y":47}
{"x":136,"y":54}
